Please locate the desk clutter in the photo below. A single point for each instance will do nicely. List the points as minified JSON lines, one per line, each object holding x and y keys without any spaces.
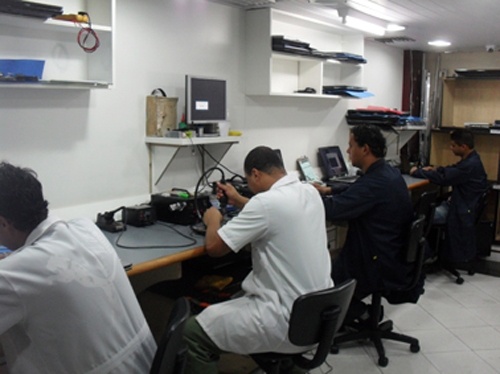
{"x":380,"y":116}
{"x":284,"y":44}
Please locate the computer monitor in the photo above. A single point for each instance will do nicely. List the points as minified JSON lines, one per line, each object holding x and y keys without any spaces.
{"x":205,"y":100}
{"x":330,"y":158}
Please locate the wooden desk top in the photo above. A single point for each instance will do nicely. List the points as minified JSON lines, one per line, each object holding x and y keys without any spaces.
{"x":413,"y":182}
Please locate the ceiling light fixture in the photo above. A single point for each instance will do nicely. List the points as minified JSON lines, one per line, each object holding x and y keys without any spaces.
{"x":394,"y":27}
{"x":439,"y":43}
{"x":361,"y":21}
{"x":362,"y":25}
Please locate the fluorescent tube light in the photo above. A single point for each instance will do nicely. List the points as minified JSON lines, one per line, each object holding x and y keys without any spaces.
{"x":394,"y":27}
{"x":362,"y":25}
{"x":439,"y":43}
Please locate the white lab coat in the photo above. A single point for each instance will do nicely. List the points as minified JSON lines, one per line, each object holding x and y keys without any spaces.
{"x":286,"y":226}
{"x":67,"y":306}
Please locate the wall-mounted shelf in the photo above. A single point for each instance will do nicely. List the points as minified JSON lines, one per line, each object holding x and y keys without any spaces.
{"x":55,"y":42}
{"x":273,"y":73}
{"x":184,"y":142}
{"x":172,"y":147}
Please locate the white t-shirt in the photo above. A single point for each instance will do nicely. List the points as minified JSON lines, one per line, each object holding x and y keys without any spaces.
{"x":286,"y":226}
{"x":67,"y":306}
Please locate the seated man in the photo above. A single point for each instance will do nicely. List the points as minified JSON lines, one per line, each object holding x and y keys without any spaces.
{"x":285,"y":224}
{"x":379,"y":212}
{"x":468,"y":181}
{"x":66,"y":304}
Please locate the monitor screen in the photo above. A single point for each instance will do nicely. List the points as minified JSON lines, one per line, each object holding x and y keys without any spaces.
{"x":205,"y":100}
{"x":332,"y":161}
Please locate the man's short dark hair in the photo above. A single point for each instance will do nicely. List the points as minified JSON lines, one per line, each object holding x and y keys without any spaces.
{"x":21,"y":197}
{"x":462,"y":136}
{"x":263,"y":159}
{"x":371,"y":136}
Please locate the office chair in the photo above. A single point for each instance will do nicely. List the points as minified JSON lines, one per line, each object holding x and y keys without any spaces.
{"x":376,"y":330}
{"x":441,"y":237}
{"x":170,"y":357}
{"x":315,"y":318}
{"x":426,"y":206}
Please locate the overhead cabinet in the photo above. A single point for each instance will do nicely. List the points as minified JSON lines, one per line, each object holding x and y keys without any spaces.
{"x":278,"y":73}
{"x":55,"y":42}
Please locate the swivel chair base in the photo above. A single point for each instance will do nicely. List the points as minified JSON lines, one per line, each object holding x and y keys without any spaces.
{"x":375,"y":332}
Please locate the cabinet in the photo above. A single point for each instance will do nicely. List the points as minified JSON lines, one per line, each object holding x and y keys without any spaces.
{"x":55,"y":42}
{"x":280,"y":74}
{"x":470,"y":100}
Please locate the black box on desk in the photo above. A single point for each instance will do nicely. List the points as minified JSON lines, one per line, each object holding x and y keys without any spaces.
{"x":175,"y":209}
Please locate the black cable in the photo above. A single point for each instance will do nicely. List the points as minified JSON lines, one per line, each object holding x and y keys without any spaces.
{"x":211,"y":170}
{"x":221,"y":164}
{"x":192,"y":240}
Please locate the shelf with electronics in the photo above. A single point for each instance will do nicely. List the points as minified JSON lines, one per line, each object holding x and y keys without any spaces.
{"x":67,"y":65}
{"x":163,"y":150}
{"x":274,"y":73}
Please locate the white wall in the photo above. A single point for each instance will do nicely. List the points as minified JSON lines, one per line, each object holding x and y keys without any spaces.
{"x":87,"y":146}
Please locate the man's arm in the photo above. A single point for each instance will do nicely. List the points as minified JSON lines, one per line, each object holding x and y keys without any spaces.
{"x":214,"y":245}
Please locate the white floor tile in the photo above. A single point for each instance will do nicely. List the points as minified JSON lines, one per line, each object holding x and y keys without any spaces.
{"x":460,"y":363}
{"x":492,"y":357}
{"x":478,"y":337}
{"x":458,"y":327}
{"x":439,"y":341}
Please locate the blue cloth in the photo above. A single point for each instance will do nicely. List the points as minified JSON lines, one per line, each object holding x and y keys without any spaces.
{"x":379,"y":212}
{"x":468,"y":180}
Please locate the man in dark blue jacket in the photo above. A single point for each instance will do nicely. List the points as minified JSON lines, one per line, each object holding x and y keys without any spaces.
{"x":468,"y":181}
{"x":379,"y":213}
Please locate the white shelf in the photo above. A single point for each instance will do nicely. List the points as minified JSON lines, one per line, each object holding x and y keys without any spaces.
{"x":55,"y":42}
{"x":274,"y":73}
{"x":185,"y":142}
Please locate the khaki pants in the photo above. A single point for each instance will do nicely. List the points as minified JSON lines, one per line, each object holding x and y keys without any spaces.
{"x":203,"y":354}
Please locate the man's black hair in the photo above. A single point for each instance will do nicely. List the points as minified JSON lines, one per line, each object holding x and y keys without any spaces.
{"x":263,"y":159}
{"x":371,"y":136}
{"x":21,"y":197}
{"x":462,"y":136}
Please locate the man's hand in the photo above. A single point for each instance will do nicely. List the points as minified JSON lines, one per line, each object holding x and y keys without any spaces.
{"x":212,"y":217}
{"x":233,"y":197}
{"x":323,"y":190}
{"x":426,"y":168}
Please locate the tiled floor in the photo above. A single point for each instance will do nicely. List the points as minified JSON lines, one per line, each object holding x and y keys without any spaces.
{"x":458,"y":327}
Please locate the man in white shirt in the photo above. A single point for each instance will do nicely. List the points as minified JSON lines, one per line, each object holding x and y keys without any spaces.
{"x":66,"y":304}
{"x":285,"y":224}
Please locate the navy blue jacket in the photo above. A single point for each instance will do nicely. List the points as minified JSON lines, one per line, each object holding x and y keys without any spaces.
{"x":468,"y":180}
{"x":379,"y":212}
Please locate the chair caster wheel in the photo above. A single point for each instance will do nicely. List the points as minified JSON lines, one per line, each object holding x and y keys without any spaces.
{"x":383,"y":361}
{"x":459,"y":280}
{"x":414,"y":348}
{"x":334,"y":349}
{"x":471,"y":272}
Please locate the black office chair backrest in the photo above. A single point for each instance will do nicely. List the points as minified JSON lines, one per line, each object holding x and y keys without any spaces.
{"x":415,"y":249}
{"x":316,"y":317}
{"x":480,"y":207}
{"x":170,"y":357}
{"x":426,"y":205}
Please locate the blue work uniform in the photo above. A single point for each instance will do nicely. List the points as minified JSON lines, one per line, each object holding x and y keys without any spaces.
{"x":379,"y":212}
{"x":468,"y":180}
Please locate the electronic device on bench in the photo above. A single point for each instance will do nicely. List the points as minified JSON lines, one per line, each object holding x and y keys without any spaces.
{"x":177,"y":209}
{"x":333,"y":165}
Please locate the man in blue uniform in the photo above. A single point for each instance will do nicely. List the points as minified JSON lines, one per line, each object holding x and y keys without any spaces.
{"x":379,"y":213}
{"x":468,"y":181}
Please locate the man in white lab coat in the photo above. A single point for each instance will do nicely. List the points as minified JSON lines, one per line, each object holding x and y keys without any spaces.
{"x":285,"y":224}
{"x":66,"y":304}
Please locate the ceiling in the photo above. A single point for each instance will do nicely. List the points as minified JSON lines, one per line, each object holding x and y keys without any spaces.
{"x":470,"y":25}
